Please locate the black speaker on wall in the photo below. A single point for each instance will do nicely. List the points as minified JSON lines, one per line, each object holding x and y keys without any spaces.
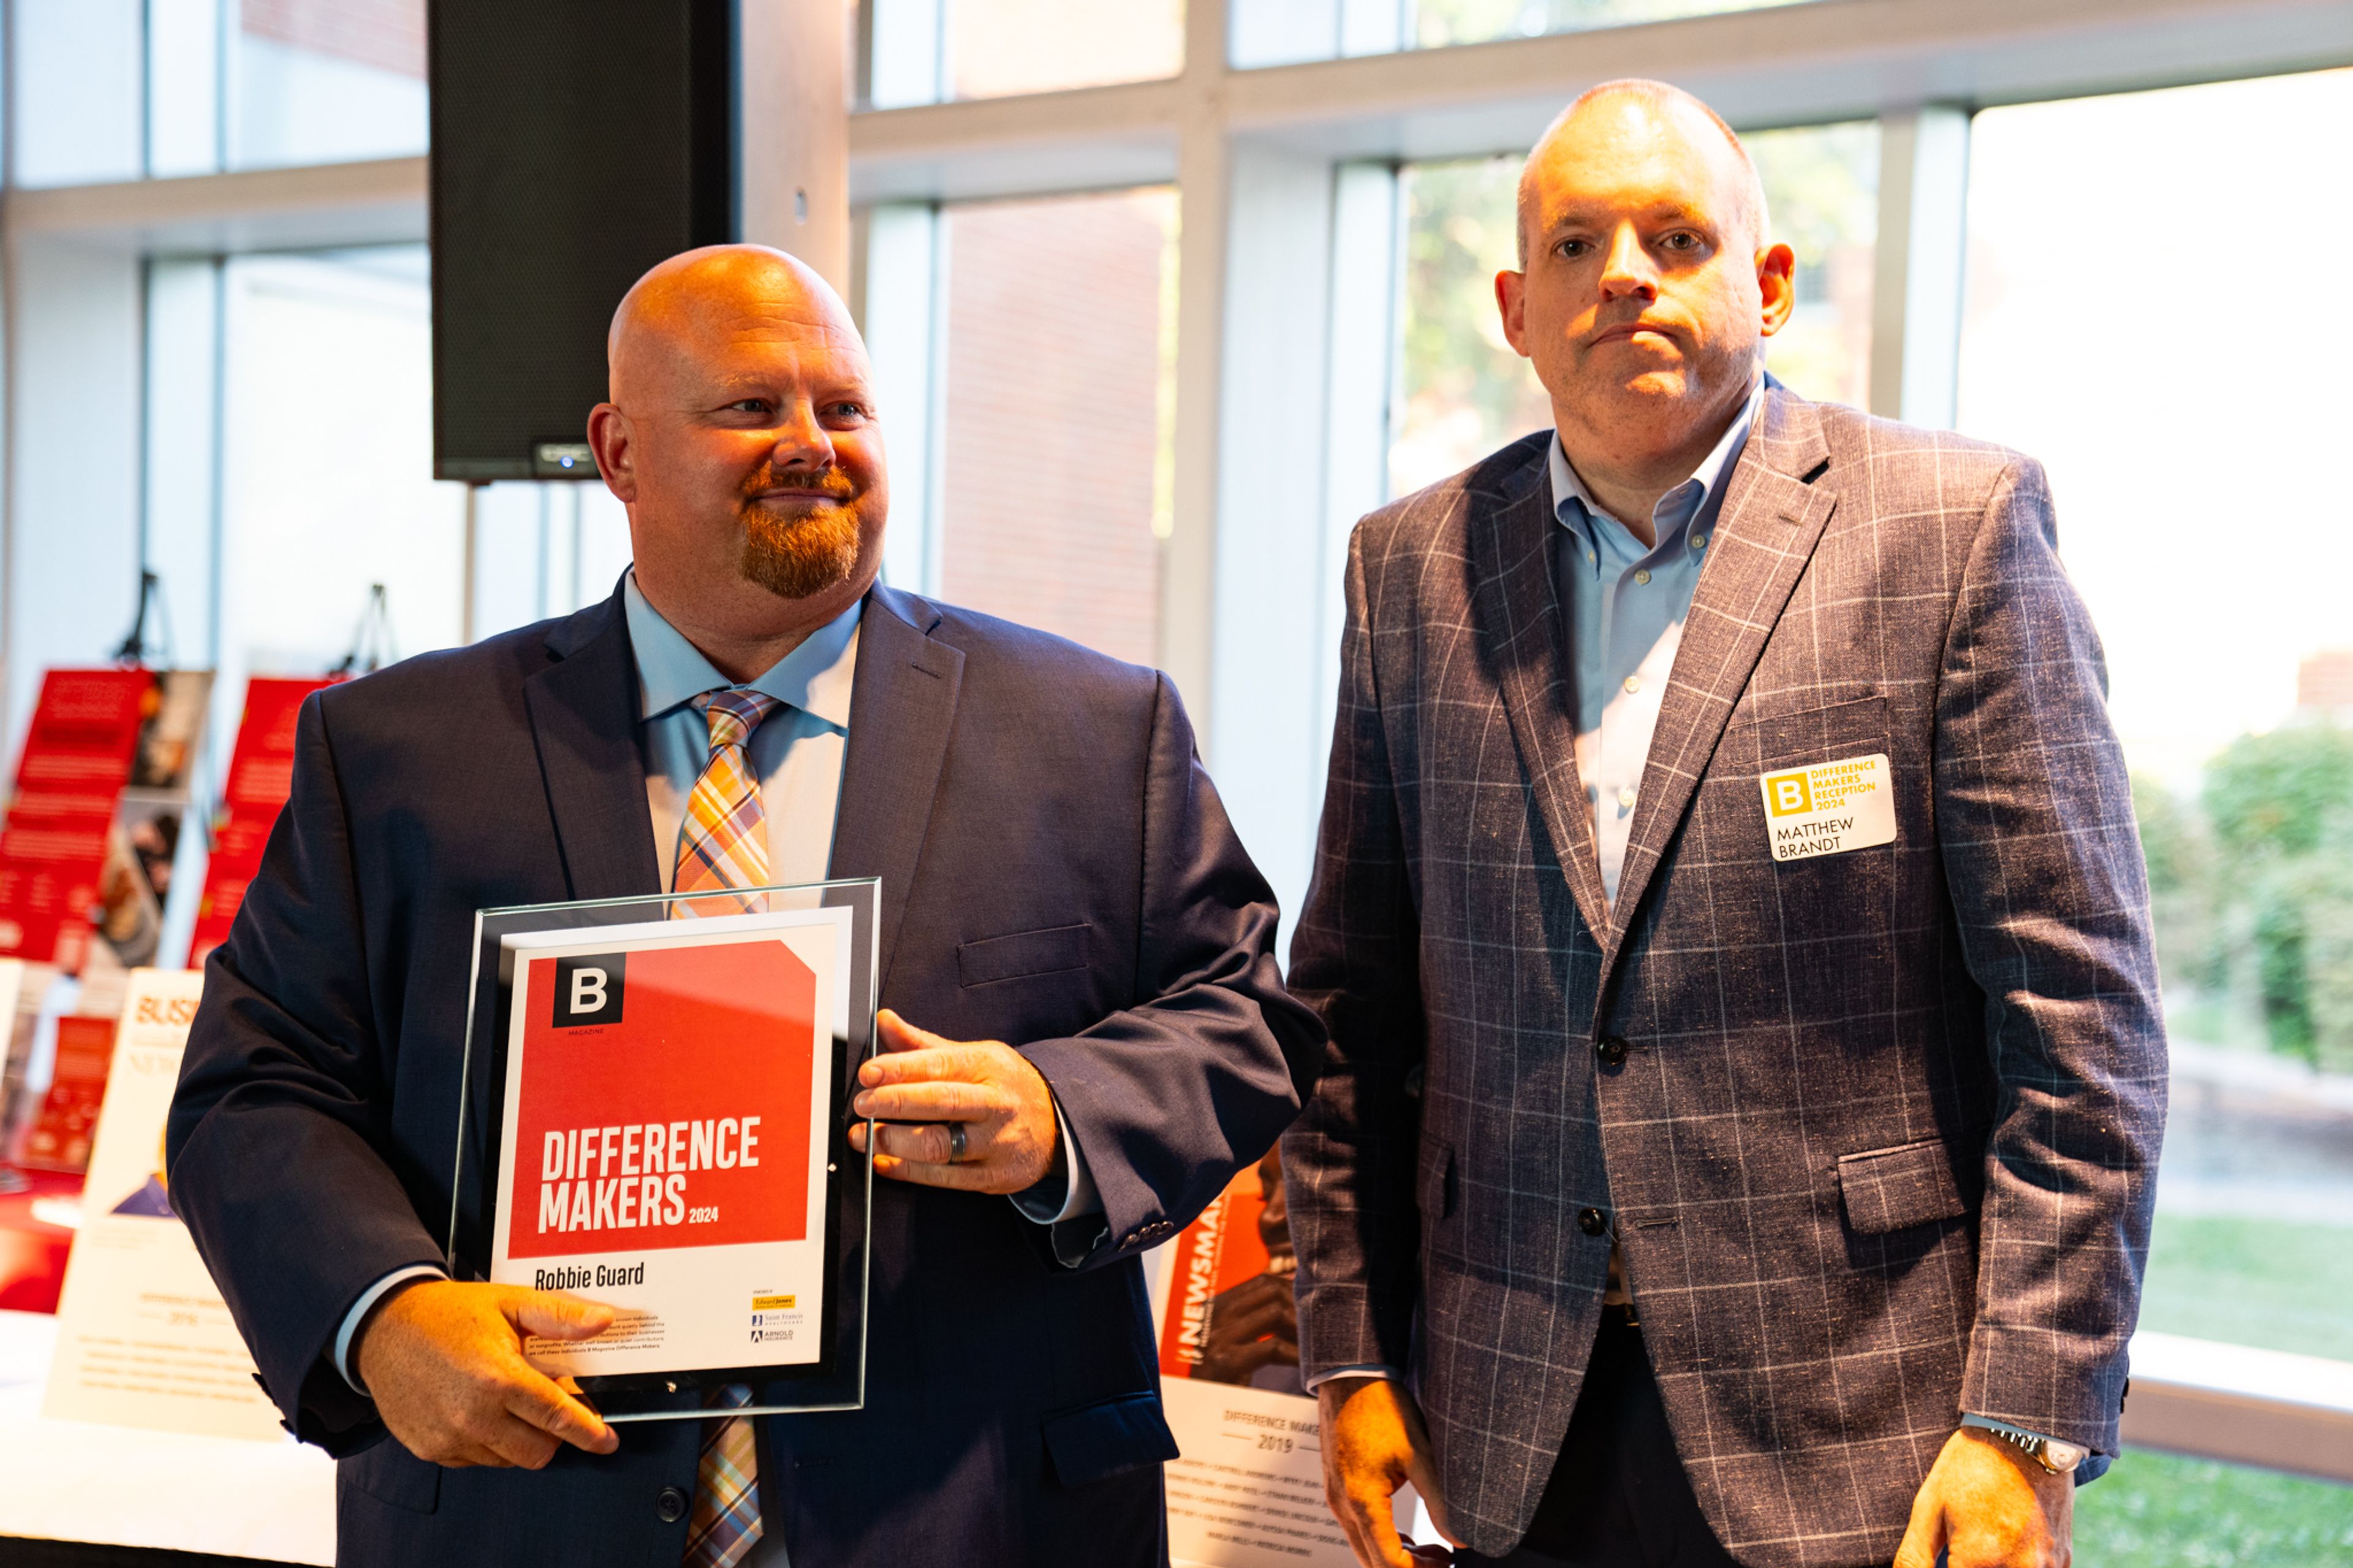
{"x":575,"y":142}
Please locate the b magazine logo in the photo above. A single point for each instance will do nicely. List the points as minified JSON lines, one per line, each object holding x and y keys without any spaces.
{"x":588,"y":989}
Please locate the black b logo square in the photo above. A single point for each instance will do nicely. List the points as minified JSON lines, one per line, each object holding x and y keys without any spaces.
{"x":588,"y":989}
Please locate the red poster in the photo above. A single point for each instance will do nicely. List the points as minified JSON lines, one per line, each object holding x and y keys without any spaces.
{"x":260,"y":776}
{"x":664,"y":1099}
{"x":77,"y":760}
{"x":60,"y":1139}
{"x":1230,"y":1317}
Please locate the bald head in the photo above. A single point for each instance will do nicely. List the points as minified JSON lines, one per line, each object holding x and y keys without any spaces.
{"x":1638,"y":109}
{"x":740,"y":430}
{"x":1645,"y":289}
{"x":694,"y":304}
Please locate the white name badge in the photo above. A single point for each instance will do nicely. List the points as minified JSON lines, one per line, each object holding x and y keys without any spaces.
{"x":1829,"y":808}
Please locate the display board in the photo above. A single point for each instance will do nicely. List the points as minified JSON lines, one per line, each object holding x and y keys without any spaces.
{"x":260,"y":777}
{"x":93,"y":826}
{"x":61,"y":1136}
{"x":1248,"y":1489}
{"x":75,"y":763}
{"x":144,"y":1337}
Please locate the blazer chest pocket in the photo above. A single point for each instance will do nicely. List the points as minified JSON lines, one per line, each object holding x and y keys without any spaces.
{"x":1854,"y":727}
{"x":1052,"y":950}
{"x":1892,"y":1189}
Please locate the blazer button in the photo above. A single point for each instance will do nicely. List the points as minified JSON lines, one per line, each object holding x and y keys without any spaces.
{"x":670,"y":1505}
{"x":1611,"y":1049}
{"x":1592,"y":1222}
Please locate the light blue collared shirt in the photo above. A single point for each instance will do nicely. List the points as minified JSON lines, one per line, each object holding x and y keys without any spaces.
{"x":797,"y":753}
{"x":1625,"y":607}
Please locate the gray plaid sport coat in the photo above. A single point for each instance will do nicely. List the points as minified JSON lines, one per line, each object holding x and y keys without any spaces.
{"x":1877,"y":1131}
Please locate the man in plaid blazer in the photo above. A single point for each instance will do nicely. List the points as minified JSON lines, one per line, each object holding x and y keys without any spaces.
{"x":1736,"y":1137}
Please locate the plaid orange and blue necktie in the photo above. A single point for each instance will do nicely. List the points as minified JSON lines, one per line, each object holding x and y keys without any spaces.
{"x":723,"y":843}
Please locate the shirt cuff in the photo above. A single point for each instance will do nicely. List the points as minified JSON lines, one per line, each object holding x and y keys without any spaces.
{"x":365,"y":1304}
{"x":1369,"y":1369}
{"x":1040,"y":1204}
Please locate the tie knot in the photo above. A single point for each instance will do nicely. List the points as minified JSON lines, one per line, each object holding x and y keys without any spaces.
{"x":733,"y":713}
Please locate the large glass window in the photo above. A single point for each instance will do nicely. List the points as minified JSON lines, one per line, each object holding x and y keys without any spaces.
{"x":2191,"y":442}
{"x":2157,"y":1510}
{"x":1025,"y":363}
{"x":324,"y":82}
{"x":74,"y":92}
{"x":1283,"y":31}
{"x":1464,"y":392}
{"x":925,"y":51}
{"x":122,"y":90}
{"x":1055,"y":398}
{"x":328,"y":478}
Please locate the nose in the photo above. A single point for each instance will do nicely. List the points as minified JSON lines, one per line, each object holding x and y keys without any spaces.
{"x":802,"y":441}
{"x":1627,"y":271}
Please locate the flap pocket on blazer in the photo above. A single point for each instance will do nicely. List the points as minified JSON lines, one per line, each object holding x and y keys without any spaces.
{"x":1107,"y":1439}
{"x":1047,"y":952}
{"x":1889,"y":1189}
{"x":391,"y":1474}
{"x":1852,"y":729}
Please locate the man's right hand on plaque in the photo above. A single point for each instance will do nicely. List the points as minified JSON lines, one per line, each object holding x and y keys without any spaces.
{"x":444,"y":1363}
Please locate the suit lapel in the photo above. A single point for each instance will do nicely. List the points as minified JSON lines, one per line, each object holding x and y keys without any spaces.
{"x":901,"y":707}
{"x":1521,"y":637}
{"x":1765,"y":535}
{"x":584,"y":720}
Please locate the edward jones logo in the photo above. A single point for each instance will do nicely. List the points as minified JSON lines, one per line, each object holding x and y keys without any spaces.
{"x":1786,"y":795}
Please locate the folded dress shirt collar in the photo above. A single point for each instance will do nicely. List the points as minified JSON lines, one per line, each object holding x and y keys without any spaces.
{"x":814,"y":677}
{"x":1678,"y":506}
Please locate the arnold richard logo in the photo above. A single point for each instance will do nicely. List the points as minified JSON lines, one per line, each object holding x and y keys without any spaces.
{"x":596,"y":1276}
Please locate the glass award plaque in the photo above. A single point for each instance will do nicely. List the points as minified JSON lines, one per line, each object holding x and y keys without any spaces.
{"x":656,"y":1116}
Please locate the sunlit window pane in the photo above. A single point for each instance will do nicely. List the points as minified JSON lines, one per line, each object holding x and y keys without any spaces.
{"x":74,"y":92}
{"x":1054,"y":451}
{"x":1438,"y":22}
{"x":318,"y":502}
{"x":1284,"y":32}
{"x":928,"y":50}
{"x":1464,"y":393}
{"x":2154,"y":1510}
{"x":322,"y":81}
{"x":2190,"y":448}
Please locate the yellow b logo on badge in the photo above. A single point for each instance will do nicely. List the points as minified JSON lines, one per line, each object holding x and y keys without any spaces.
{"x":1789,"y":793}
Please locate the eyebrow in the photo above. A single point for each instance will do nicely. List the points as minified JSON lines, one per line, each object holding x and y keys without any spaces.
{"x":1674,"y":211}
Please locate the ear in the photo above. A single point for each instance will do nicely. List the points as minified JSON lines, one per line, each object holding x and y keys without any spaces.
{"x":1776,"y":267}
{"x":1511,"y":303}
{"x":612,"y":440}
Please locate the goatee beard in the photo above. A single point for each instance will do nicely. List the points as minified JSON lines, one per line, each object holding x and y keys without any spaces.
{"x":799,"y":554}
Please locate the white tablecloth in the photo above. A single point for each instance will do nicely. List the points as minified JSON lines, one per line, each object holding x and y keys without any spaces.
{"x":69,"y":1481}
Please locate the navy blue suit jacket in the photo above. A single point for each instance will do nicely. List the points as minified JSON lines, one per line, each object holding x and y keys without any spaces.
{"x":1056,"y":872}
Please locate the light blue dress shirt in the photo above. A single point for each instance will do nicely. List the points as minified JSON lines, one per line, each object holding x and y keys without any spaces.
{"x":1625,"y":605}
{"x":796,"y":754}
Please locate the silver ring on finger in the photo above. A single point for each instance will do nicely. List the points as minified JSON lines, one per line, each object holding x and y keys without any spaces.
{"x":956,"y":1142}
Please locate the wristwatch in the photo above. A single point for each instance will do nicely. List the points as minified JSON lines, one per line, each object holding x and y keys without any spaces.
{"x":2058,"y":1458}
